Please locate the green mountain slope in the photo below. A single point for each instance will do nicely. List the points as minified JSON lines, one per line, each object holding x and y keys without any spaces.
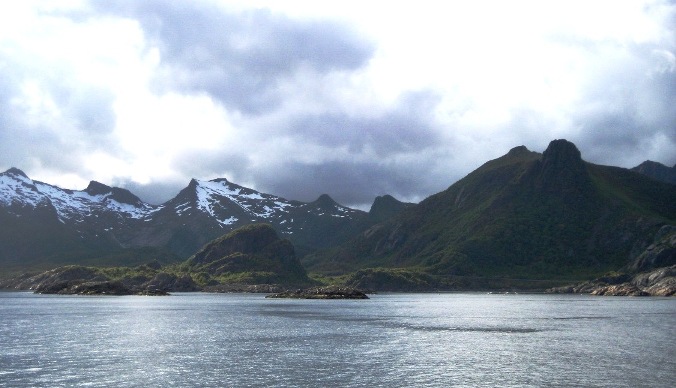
{"x":252,"y":254}
{"x":523,"y":215}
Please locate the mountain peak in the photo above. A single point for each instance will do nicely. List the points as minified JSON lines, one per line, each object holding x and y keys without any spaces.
{"x":562,"y":168}
{"x":97,"y":188}
{"x":386,"y":206}
{"x":561,"y":151}
{"x":657,"y":171}
{"x":16,"y":172}
{"x":520,"y":150}
{"x":325,"y":200}
{"x":562,"y":155}
{"x":120,"y":195}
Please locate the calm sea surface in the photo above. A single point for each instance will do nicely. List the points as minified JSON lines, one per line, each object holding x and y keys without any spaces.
{"x":391,"y":340}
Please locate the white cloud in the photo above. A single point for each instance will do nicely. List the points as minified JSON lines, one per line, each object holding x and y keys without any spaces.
{"x":422,"y":93}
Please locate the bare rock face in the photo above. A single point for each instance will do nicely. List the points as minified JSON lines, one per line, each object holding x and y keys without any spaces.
{"x":661,"y":253}
{"x":169,"y":282}
{"x":64,"y":277}
{"x":83,"y":287}
{"x":659,"y":282}
{"x":562,"y":169}
{"x":624,"y":289}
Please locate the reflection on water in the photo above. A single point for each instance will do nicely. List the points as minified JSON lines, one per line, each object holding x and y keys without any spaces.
{"x":390,"y":340}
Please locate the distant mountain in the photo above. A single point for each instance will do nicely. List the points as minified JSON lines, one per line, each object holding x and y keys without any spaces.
{"x":657,"y":171}
{"x":41,"y":224}
{"x":386,"y":207}
{"x":524,"y":215}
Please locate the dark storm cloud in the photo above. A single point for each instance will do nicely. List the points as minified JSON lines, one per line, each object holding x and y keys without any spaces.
{"x":404,"y":127}
{"x":350,"y":182}
{"x":239,"y":57}
{"x":200,"y":164}
{"x":155,"y":193}
{"x":368,"y":161}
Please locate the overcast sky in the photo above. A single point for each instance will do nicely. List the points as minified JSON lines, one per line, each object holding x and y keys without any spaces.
{"x":351,"y":98}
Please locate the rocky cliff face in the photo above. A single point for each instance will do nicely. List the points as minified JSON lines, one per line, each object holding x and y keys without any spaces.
{"x":658,"y":282}
{"x":652,"y":273}
{"x":661,"y":253}
{"x":561,"y":169}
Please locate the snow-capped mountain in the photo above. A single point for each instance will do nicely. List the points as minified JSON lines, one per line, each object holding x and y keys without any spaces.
{"x":207,"y":209}
{"x":101,"y":217}
{"x":18,"y":191}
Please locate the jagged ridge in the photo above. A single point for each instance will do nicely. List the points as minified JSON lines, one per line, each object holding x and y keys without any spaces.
{"x":100,"y":220}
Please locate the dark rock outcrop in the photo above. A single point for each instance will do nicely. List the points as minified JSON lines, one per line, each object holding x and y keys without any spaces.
{"x":661,"y":253}
{"x":658,"y":282}
{"x":62,"y":277}
{"x":328,"y":292}
{"x":249,"y":288}
{"x":169,"y":282}
{"x":78,"y":280}
{"x":562,"y":169}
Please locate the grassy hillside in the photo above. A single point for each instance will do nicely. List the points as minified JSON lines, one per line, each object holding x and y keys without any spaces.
{"x":524,"y":215}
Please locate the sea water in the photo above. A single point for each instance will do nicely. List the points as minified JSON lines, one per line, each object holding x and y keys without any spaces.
{"x":390,"y":340}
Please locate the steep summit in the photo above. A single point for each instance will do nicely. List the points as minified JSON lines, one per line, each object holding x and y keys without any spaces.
{"x":385,"y":207}
{"x":16,"y":172}
{"x":120,"y":195}
{"x":518,"y":151}
{"x":562,"y":168}
{"x":562,"y":155}
{"x":96,"y":188}
{"x":325,"y":201}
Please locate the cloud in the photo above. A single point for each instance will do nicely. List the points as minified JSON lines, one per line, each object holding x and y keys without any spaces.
{"x":47,"y":118}
{"x":351,"y":157}
{"x":403,"y":127}
{"x":239,"y":57}
{"x":339,"y":99}
{"x":627,"y":114}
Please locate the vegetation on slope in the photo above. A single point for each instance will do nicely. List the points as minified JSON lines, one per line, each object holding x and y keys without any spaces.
{"x":521,"y":216}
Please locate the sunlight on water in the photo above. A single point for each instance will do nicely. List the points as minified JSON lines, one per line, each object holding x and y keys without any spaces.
{"x":390,"y":340}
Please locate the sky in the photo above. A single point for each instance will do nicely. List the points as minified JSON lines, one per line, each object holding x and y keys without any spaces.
{"x":354,"y":99}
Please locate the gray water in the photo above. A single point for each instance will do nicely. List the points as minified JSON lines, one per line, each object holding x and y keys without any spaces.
{"x":391,"y":340}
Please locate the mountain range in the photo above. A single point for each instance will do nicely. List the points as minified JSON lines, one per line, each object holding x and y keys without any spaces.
{"x":43,"y":225}
{"x":525,"y":215}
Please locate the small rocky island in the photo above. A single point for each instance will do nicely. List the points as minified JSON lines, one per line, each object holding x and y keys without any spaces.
{"x":327,"y":292}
